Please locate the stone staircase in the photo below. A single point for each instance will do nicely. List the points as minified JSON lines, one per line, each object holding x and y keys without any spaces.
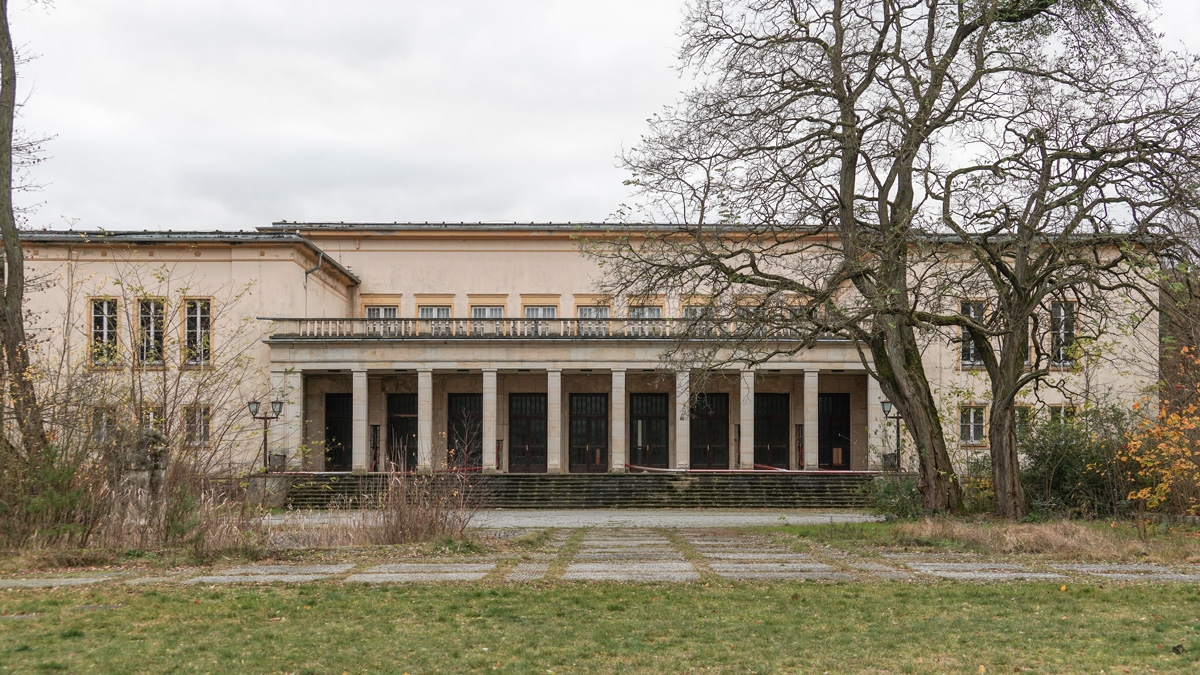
{"x":582,"y":491}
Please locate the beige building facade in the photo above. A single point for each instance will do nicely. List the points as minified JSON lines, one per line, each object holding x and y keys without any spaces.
{"x":423,"y":346}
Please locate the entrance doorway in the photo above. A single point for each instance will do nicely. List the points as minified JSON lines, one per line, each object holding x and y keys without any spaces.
{"x":464,"y":431}
{"x":648,"y":430}
{"x":402,"y":433}
{"x":339,"y":430}
{"x":527,"y":433}
{"x":588,"y":437}
{"x":833,"y":431}
{"x":709,"y":428}
{"x":771,"y":425}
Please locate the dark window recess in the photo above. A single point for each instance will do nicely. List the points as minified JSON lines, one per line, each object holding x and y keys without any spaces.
{"x":402,"y":433}
{"x":464,"y":431}
{"x":833,"y":431}
{"x":709,"y":431}
{"x":588,"y":436}
{"x":648,"y":425}
{"x":527,"y":433}
{"x":771,"y":426}
{"x":339,"y":430}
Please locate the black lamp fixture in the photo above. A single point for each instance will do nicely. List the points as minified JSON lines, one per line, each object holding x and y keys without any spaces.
{"x":266,"y":417}
{"x":887,"y":412}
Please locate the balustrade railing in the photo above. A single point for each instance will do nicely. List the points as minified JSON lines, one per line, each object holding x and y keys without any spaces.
{"x":327,"y":328}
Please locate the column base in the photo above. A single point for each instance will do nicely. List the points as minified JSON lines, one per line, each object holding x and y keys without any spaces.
{"x":361,"y":469}
{"x":490,"y":470}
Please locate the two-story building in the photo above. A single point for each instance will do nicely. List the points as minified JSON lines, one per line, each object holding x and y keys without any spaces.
{"x":418,"y":346}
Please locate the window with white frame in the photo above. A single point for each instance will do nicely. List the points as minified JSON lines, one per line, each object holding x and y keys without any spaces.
{"x":645,"y":312}
{"x":592,"y":312}
{"x":1062,"y":414}
{"x":593,"y":319}
{"x":151,"y":326}
{"x":197,"y":421}
{"x":104,"y":331}
{"x":1062,"y":332}
{"x":104,"y":424}
{"x":197,"y":338}
{"x":701,"y":318}
{"x":487,"y":312}
{"x":382,"y":311}
{"x":970,"y":352}
{"x":541,"y":312}
{"x":152,"y":418}
{"x":433,"y":312}
{"x":971,"y":424}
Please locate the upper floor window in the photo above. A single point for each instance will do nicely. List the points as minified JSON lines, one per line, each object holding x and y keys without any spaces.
{"x":104,"y":331}
{"x":592,"y":312}
{"x":151,"y":325}
{"x":487,"y":312}
{"x":971,"y":354}
{"x":197,"y":338}
{"x":970,"y":424}
{"x":645,"y":312}
{"x":382,"y":311}
{"x":1062,"y":332}
{"x":433,"y":312}
{"x":152,"y":418}
{"x":197,"y":420}
{"x":541,"y":312}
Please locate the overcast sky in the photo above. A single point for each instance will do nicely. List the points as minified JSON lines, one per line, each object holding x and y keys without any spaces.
{"x":230,"y":114}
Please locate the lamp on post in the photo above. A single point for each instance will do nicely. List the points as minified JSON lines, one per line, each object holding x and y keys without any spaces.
{"x":887,"y":412}
{"x":266,"y":417}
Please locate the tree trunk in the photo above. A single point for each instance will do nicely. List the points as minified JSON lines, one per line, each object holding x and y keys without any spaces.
{"x":26,"y":410}
{"x":902,"y":379}
{"x":1006,"y":471}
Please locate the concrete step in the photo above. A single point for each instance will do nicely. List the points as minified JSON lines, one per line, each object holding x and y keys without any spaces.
{"x":733,"y":490}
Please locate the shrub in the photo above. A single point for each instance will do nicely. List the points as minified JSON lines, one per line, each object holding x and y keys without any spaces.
{"x":895,"y":497}
{"x":1074,"y":467}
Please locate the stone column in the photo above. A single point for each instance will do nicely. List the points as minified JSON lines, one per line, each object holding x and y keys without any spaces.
{"x":746,"y":449}
{"x":360,"y":461}
{"x":424,"y":420}
{"x":876,"y":429}
{"x":287,"y":433}
{"x":489,"y":420}
{"x":553,"y":421}
{"x":810,"y":420}
{"x":683,"y":417}
{"x":617,"y":424}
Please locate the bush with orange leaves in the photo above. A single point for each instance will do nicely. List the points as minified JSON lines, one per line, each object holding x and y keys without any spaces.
{"x":1166,"y":448}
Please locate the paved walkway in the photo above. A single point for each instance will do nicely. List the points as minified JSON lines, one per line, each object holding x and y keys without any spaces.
{"x":650,"y":556}
{"x":508,"y":519}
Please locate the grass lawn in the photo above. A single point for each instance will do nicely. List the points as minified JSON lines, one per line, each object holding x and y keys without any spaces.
{"x":603,"y":628}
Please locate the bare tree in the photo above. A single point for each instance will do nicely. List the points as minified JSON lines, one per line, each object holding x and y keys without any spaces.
{"x":798,"y":170}
{"x":21,"y":388}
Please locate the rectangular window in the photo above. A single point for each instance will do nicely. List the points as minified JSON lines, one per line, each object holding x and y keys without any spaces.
{"x":196,"y":425}
{"x":645,"y":312}
{"x":151,"y":325}
{"x":104,"y":424}
{"x":1024,"y":421}
{"x":541,"y":312}
{"x":1062,"y":414}
{"x":1062,"y":332}
{"x":433,"y":312}
{"x":593,"y":320}
{"x":152,"y":418}
{"x":701,"y":319}
{"x":487,"y":312}
{"x":382,"y":311}
{"x":971,"y":355}
{"x":592,"y":312}
{"x":197,"y":340}
{"x":970,"y":424}
{"x":104,"y":331}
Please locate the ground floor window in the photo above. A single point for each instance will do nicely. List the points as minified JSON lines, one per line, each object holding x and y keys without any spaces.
{"x":970,"y":425}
